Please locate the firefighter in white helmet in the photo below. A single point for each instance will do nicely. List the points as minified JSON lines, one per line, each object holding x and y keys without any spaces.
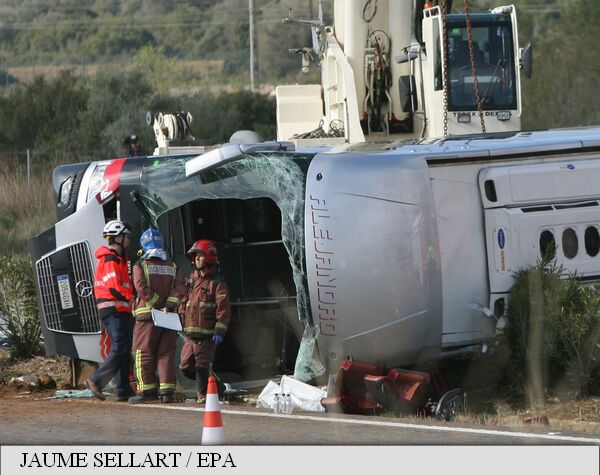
{"x":114,"y":294}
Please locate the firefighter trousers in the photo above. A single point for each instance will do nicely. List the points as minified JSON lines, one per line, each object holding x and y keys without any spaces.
{"x":154,"y":354}
{"x":196,"y":359}
{"x":118,"y":360}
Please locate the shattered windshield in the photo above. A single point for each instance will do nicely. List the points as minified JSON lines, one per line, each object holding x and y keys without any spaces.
{"x":280,"y":177}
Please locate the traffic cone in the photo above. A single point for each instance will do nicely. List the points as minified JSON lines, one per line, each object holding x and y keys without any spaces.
{"x":212,"y":430}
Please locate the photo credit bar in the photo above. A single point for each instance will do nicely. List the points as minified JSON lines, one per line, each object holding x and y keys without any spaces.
{"x":300,"y":460}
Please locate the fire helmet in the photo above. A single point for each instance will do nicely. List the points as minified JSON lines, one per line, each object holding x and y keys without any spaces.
{"x":152,"y":239}
{"x":115,"y":228}
{"x":206,"y":247}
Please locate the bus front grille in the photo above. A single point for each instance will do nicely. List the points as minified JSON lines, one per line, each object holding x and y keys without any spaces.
{"x":65,"y":280}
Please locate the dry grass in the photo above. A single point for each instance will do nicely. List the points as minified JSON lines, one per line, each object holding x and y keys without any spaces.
{"x":560,"y":418}
{"x":558,"y":422}
{"x":26,"y":74}
{"x":26,"y":209}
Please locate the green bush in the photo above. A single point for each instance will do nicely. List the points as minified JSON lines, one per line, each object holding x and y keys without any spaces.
{"x":43,"y":115}
{"x":94,"y":116}
{"x":552,"y":332}
{"x":18,"y":306}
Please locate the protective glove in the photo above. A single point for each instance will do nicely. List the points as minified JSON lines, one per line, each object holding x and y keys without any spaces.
{"x":217,"y":339}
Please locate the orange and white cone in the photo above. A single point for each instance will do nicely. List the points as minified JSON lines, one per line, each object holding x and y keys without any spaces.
{"x":212,"y":430}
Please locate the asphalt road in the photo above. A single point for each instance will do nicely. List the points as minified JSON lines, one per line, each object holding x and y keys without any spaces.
{"x":76,"y":421}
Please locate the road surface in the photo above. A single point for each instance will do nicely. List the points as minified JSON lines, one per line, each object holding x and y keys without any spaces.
{"x":87,"y":421}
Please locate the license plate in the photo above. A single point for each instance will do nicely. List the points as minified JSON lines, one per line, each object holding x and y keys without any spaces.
{"x":64,"y":290}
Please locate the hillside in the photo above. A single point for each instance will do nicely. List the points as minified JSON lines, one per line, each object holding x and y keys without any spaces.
{"x":35,"y":34}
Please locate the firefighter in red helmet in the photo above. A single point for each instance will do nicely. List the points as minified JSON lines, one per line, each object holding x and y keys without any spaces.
{"x":206,"y":314}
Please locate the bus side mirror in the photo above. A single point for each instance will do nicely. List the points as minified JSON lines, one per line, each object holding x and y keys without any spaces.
{"x":526,"y":61}
{"x":408,"y":93}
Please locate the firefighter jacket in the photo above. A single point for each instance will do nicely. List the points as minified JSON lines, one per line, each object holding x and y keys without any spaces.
{"x":112,"y":286}
{"x":206,"y":309}
{"x":158,"y":284}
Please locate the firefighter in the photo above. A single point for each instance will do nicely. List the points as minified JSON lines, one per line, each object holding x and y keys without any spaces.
{"x":160,"y":285}
{"x":206,"y":314}
{"x":133,"y":146}
{"x":114,"y":294}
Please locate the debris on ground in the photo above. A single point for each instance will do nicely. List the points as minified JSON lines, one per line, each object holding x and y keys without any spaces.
{"x":28,"y":381}
{"x":52,"y":371}
{"x":32,"y":382}
{"x":71,"y":393}
{"x":581,"y":415}
{"x":303,"y":396}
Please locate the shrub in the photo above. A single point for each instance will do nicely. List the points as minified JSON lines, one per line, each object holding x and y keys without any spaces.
{"x":18,"y":306}
{"x":573,"y":317}
{"x":552,"y":332}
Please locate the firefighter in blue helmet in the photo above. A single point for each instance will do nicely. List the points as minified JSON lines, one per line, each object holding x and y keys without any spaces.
{"x":159,"y":285}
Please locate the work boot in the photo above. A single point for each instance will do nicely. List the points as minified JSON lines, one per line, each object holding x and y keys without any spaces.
{"x":95,"y":389}
{"x":124,"y":397}
{"x":143,"y":398}
{"x":167,"y":398}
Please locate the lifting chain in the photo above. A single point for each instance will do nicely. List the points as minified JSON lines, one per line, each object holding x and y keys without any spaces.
{"x":445,"y":65}
{"x":369,"y":10}
{"x":473,"y":65}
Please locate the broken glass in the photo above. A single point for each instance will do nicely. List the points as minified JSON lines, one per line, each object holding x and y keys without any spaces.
{"x":278,"y":176}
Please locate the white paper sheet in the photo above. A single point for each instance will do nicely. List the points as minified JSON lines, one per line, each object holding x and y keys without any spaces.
{"x":168,"y":320}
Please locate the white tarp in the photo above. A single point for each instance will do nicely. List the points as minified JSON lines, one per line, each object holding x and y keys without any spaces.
{"x":304,"y":396}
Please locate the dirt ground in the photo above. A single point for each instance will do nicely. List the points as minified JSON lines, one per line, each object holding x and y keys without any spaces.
{"x":577,"y":415}
{"x":57,"y":367}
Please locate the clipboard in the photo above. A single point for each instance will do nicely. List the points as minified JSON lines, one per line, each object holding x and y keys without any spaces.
{"x":169,"y":320}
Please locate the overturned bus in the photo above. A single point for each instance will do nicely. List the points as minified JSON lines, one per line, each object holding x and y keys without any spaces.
{"x":396,"y":253}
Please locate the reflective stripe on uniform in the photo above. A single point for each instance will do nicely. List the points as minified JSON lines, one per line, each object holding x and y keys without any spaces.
{"x":156,"y":270}
{"x":141,"y":386}
{"x":154,"y":299}
{"x":113,"y":303}
{"x":146,"y":273}
{"x":142,"y":310}
{"x":203,"y":331}
{"x":159,"y":270}
{"x":221,"y":326}
{"x":167,"y":386}
{"x":174,"y":300}
{"x":207,"y":305}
